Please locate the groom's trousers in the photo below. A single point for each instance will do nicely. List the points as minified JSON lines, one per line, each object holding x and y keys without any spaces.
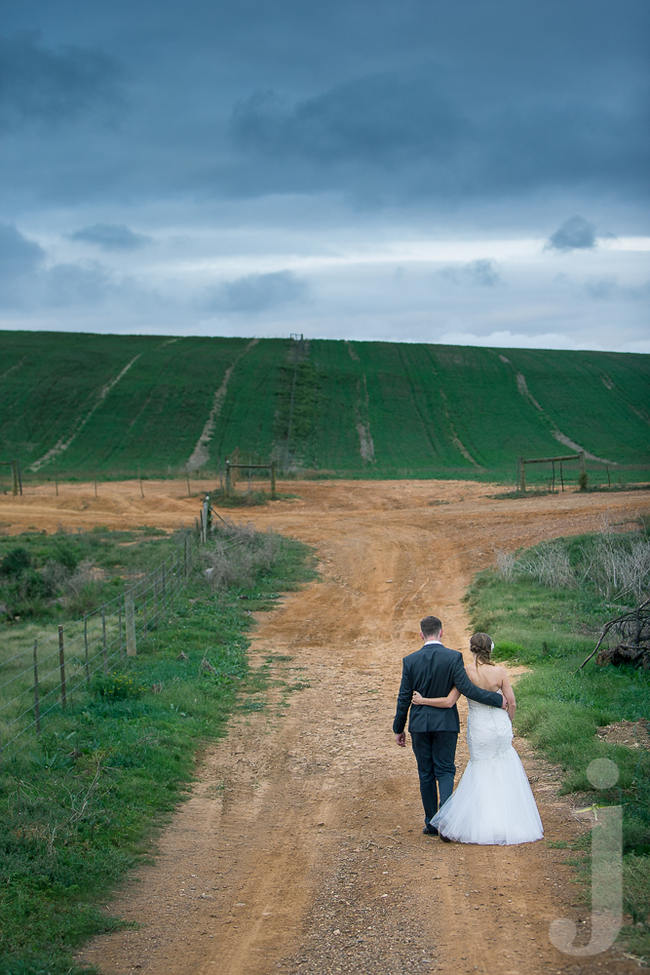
{"x":435,"y":752}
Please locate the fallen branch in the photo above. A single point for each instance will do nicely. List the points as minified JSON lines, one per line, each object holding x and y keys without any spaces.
{"x":610,"y":625}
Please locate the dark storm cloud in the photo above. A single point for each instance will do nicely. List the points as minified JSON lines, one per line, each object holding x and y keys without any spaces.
{"x":111,"y":237}
{"x":383,"y":103}
{"x":274,"y":131}
{"x":51,"y":85}
{"x":383,"y":118}
{"x":408,"y":137}
{"x":256,"y":293}
{"x":576,"y":233}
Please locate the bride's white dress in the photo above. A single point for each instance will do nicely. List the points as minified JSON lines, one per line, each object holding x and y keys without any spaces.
{"x":493,"y":802}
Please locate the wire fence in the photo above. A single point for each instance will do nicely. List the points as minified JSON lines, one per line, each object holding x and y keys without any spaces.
{"x":54,"y":668}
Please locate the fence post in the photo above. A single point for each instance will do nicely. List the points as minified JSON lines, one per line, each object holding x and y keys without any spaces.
{"x":228,"y":479}
{"x":37,"y":712}
{"x":205,"y":519}
{"x":186,"y":553}
{"x":104,"y":648}
{"x":62,"y":668}
{"x":163,"y":586}
{"x":273,"y":480}
{"x":86,"y":664}
{"x":129,"y":612}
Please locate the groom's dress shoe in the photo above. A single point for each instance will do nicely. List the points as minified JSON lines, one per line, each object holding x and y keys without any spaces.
{"x":430,"y":831}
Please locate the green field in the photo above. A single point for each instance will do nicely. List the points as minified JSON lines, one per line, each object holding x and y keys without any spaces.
{"x":82,"y":405}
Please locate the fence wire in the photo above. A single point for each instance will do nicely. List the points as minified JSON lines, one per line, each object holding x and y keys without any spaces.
{"x":54,"y":670}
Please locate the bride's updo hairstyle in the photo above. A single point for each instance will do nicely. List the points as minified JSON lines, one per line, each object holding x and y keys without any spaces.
{"x":482,"y":646}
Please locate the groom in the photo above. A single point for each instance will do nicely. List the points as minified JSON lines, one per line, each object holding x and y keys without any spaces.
{"x":433,"y":671}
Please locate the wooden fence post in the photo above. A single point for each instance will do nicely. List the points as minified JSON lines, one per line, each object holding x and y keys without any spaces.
{"x":228,"y":479}
{"x":129,"y":613}
{"x":62,"y":668}
{"x":205,"y":519}
{"x":273,"y":480}
{"x":37,"y":712}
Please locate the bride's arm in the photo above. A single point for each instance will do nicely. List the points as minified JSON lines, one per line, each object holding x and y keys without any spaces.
{"x":437,"y":702}
{"x":509,"y":694}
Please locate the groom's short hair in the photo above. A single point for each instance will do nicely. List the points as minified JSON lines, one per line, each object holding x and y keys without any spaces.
{"x":430,"y":626}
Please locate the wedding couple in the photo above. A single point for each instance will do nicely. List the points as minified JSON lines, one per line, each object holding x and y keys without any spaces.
{"x":493,"y":803}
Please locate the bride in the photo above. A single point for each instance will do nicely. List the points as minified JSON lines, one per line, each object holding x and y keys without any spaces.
{"x":493,"y":803}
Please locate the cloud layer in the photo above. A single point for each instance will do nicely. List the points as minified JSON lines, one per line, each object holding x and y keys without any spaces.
{"x":234,"y":166}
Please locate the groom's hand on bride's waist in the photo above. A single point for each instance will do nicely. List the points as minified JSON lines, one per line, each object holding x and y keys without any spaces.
{"x":401,"y":739}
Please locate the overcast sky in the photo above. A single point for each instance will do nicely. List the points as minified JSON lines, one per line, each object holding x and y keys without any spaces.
{"x":470,"y":172}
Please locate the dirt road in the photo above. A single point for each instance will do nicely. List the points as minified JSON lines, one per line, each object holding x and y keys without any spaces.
{"x":300,"y":849}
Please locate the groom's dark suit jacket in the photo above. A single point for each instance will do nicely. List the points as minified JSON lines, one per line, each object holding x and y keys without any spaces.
{"x":433,"y":671}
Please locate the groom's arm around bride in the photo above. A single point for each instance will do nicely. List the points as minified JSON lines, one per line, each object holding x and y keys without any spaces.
{"x":433,"y":671}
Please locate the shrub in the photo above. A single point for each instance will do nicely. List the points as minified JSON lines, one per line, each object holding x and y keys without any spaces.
{"x":238,"y":553}
{"x":549,"y":564}
{"x":619,"y":567}
{"x":506,"y":563}
{"x":66,"y":553}
{"x":15,"y":562}
{"x":117,"y":686}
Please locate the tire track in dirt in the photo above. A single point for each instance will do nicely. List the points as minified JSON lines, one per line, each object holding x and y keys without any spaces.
{"x":300,"y":848}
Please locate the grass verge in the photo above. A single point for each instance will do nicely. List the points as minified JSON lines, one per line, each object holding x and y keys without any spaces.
{"x":78,"y":805}
{"x":545,"y":609}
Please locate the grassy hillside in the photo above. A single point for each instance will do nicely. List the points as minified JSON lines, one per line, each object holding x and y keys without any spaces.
{"x":109,"y":406}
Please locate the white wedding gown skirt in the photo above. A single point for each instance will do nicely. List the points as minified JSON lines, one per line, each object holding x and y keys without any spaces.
{"x":493,"y":802}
